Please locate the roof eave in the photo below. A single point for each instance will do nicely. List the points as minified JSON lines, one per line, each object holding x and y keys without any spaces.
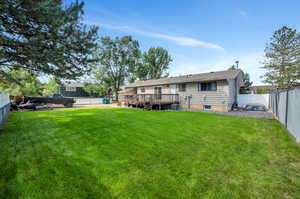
{"x":181,"y":82}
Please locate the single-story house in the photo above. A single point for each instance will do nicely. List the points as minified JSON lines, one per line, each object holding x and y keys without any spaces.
{"x":73,"y":90}
{"x":206,"y":91}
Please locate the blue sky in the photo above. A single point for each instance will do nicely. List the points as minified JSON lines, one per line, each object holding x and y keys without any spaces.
{"x":201,"y":36}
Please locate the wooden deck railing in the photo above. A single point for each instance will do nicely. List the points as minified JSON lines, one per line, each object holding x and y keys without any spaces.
{"x":152,"y":99}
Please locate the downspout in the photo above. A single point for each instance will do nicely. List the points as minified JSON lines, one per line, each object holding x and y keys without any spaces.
{"x":232,"y":85}
{"x":235,"y":91}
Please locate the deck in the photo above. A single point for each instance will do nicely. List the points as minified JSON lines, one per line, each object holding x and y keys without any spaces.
{"x":151,"y":99}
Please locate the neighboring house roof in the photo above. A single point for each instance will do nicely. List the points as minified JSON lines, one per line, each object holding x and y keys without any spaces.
{"x":263,"y":87}
{"x":73,"y":84}
{"x":202,"y":77}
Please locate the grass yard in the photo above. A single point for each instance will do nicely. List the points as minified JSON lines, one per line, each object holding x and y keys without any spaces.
{"x":123,"y":153}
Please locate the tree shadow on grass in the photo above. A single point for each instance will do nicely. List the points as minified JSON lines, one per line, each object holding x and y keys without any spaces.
{"x":8,"y":172}
{"x":61,"y":178}
{"x":51,"y":176}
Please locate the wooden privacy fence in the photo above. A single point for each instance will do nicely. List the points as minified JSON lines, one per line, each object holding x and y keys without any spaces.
{"x":285,"y":104}
{"x":4,"y":108}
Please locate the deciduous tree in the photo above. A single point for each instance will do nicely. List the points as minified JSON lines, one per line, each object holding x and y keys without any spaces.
{"x":99,"y":83}
{"x":118,"y":59}
{"x":51,"y":87}
{"x":155,"y":64}
{"x":26,"y":84}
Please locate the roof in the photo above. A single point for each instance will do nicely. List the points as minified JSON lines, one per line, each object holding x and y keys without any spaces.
{"x":202,"y":77}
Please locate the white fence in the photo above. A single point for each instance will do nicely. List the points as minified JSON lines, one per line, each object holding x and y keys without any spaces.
{"x":88,"y":100}
{"x":285,"y":104}
{"x":4,"y":108}
{"x":4,"y":100}
{"x":244,"y":99}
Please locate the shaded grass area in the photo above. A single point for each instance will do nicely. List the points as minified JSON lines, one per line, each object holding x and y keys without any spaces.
{"x":123,"y":153}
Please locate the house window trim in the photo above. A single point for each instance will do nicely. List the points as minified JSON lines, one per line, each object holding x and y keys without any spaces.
{"x":181,"y":88}
{"x":207,"y":86}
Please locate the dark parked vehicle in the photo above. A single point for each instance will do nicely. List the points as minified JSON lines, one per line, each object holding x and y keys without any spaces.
{"x":33,"y":102}
{"x":255,"y":107}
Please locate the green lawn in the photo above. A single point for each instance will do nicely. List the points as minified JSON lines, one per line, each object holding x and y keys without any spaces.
{"x":122,"y":153}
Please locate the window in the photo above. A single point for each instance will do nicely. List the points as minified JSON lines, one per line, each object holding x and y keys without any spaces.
{"x":207,"y":107}
{"x":181,"y":87}
{"x":157,"y":92}
{"x":142,"y":90}
{"x":208,"y":86}
{"x":71,"y":89}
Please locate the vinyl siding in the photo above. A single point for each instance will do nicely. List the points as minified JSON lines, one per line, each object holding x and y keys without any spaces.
{"x":150,"y":89}
{"x":219,"y":97}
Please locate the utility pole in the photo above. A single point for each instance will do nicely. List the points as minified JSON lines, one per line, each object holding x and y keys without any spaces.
{"x":237,"y":64}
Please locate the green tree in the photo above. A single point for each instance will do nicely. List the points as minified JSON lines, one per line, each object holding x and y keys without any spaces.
{"x":118,"y":59}
{"x":99,"y":82}
{"x":155,"y":64}
{"x":234,"y":66}
{"x":246,"y":84}
{"x":263,"y":91}
{"x":28,"y":84}
{"x":51,"y":87}
{"x":44,"y":36}
{"x":283,"y":58}
{"x":96,"y":88}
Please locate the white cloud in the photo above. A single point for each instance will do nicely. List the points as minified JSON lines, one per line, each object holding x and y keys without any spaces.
{"x":243,"y":14}
{"x":249,"y":62}
{"x":182,"y":41}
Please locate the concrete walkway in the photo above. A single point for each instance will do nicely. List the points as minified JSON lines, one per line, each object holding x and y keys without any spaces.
{"x":254,"y":114}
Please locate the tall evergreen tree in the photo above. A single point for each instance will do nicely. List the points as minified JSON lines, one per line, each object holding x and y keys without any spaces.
{"x":283,"y":58}
{"x":43,"y":36}
{"x":245,"y":88}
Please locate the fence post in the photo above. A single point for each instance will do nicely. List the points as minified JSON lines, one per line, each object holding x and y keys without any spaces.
{"x":286,"y":108}
{"x":276,"y":103}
